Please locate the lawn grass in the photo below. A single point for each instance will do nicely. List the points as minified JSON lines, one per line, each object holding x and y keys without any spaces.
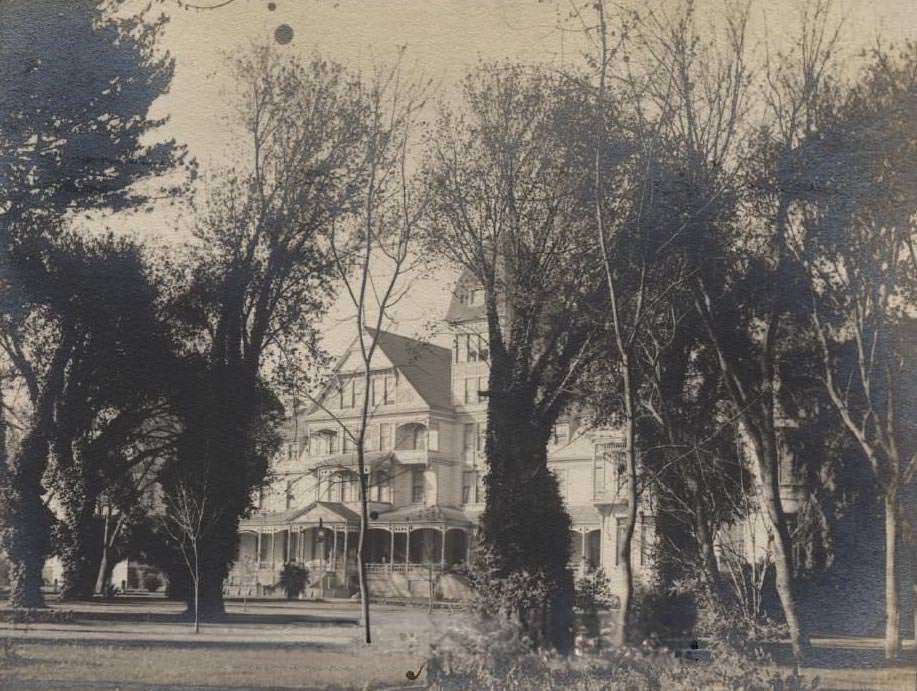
{"x":141,"y":644}
{"x":47,"y":665}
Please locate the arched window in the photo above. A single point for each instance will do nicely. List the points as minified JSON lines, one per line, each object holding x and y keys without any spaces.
{"x":411,"y":437}
{"x":323,"y":443}
{"x":381,"y":485}
{"x":345,"y":492}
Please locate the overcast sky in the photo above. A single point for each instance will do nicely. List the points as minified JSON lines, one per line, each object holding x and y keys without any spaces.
{"x":443,"y":39}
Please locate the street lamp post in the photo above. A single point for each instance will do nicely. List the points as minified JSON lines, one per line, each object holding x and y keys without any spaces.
{"x":321,"y":560}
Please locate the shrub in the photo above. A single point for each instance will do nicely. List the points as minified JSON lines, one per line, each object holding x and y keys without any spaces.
{"x":8,"y":653}
{"x":593,"y":594}
{"x":152,"y":582}
{"x":662,"y":613}
{"x":489,"y":650}
{"x":735,"y":612}
{"x":4,"y":572}
{"x":493,"y":655}
{"x":293,"y":579}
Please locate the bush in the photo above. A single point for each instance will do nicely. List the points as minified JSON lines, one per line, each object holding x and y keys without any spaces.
{"x":593,"y":594}
{"x":494,"y":654}
{"x":737,"y":611}
{"x":152,"y":582}
{"x":490,"y":650}
{"x":493,"y":595}
{"x":4,"y":572}
{"x":293,"y":579}
{"x":661,"y":613}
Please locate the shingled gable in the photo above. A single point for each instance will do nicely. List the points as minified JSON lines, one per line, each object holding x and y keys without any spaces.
{"x":424,"y":365}
{"x":459,"y":313}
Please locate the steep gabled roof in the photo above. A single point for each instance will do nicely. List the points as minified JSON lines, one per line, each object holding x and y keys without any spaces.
{"x":459,"y":312}
{"x":426,"y":366}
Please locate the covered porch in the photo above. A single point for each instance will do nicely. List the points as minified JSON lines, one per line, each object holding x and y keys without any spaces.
{"x":322,"y":537}
{"x":410,"y":543}
{"x":418,"y":540}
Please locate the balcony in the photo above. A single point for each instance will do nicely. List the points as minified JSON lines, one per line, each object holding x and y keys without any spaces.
{"x":610,"y":496}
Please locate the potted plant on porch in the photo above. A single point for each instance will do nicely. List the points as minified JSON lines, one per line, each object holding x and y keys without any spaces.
{"x":293,"y":579}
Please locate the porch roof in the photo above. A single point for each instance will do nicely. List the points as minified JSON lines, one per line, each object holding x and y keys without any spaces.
{"x":425,"y":514}
{"x":328,"y":511}
{"x":584,"y":514}
{"x":349,"y":460}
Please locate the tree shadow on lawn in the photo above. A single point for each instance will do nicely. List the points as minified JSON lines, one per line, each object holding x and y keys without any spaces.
{"x":144,"y":686}
{"x":227,"y":619}
{"x":841,"y":657}
{"x":139,"y":612}
{"x":189,"y":643}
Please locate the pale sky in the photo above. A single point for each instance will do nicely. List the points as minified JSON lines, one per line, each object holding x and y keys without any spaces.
{"x":443,"y":39}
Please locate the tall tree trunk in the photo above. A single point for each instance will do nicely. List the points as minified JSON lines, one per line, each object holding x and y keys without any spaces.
{"x":362,"y":546}
{"x":767,"y":456}
{"x":78,"y":550}
{"x":26,"y":537}
{"x":205,"y":598}
{"x":101,"y":576}
{"x":706,"y":547}
{"x":625,"y":556}
{"x":525,"y":524}
{"x":757,"y":418}
{"x":892,"y":611}
{"x":910,"y":511}
{"x":3,"y":459}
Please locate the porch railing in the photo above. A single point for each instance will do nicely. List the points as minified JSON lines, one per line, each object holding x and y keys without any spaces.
{"x":402,"y":568}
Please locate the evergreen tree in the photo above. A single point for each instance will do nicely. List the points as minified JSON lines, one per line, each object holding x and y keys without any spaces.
{"x":72,"y":115}
{"x":258,"y":277}
{"x":505,"y":208}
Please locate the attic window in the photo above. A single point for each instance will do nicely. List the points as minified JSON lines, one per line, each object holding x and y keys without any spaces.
{"x":471,"y":296}
{"x":561,"y":433}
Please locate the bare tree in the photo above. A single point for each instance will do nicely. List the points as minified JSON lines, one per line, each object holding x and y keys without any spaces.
{"x":641,"y":243}
{"x":189,"y":521}
{"x":705,"y":89}
{"x":855,"y":239}
{"x":375,"y":255}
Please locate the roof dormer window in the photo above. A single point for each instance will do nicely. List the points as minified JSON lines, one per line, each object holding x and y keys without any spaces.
{"x":471,"y":296}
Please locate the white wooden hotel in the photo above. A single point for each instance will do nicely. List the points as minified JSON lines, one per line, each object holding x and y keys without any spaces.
{"x":425,"y":460}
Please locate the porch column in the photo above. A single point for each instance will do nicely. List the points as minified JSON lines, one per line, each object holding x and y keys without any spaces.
{"x":583,"y":558}
{"x":258,"y":548}
{"x":273,"y":532}
{"x":468,"y":538}
{"x":346,"y":535}
{"x":286,"y":547}
{"x":334,"y":549}
{"x":391,"y":554}
{"x":407,"y":546}
{"x":442,"y":557}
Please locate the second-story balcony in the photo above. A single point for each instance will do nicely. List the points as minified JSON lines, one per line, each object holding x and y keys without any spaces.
{"x":372,"y":459}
